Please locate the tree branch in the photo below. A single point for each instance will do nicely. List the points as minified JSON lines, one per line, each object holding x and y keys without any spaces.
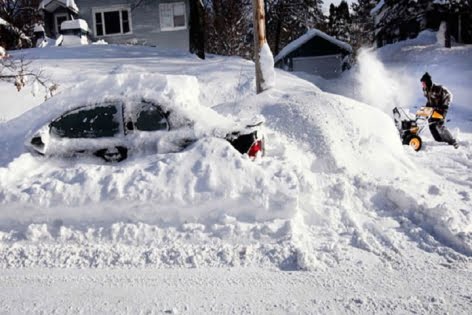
{"x":18,"y":71}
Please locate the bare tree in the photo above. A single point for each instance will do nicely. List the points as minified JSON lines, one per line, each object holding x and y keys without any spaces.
{"x":19,"y":72}
{"x":228,"y":27}
{"x":289,"y":19}
{"x":16,"y":22}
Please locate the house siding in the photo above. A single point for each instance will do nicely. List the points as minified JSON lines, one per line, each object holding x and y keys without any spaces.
{"x":329,"y":66}
{"x":145,"y":24}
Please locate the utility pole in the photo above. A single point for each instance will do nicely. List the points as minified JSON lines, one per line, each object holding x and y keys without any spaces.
{"x":259,"y":39}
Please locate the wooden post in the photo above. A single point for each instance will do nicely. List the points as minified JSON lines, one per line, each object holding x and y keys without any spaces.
{"x":259,"y":39}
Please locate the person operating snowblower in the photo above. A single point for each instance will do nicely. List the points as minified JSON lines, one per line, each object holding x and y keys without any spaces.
{"x":438,"y":98}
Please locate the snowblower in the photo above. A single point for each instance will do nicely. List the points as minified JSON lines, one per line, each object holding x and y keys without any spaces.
{"x":410,"y":128}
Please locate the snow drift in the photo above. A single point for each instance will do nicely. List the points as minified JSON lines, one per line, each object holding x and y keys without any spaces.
{"x":336,"y":184}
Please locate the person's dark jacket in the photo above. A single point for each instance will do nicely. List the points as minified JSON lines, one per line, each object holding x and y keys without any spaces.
{"x":438,"y":97}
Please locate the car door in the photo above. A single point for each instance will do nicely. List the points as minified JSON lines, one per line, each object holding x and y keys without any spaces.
{"x":88,"y":129}
{"x":146,"y":126}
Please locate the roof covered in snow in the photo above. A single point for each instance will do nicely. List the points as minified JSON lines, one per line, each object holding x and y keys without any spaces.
{"x":52,"y":5}
{"x":307,"y":37}
{"x":3,"y":22}
{"x":38,"y":28}
{"x":74,"y":24}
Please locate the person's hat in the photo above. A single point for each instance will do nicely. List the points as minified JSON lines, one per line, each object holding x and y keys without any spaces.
{"x":426,"y":78}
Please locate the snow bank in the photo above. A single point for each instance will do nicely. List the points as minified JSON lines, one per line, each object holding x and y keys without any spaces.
{"x":344,"y":135}
{"x":219,"y":171}
{"x":336,"y":185}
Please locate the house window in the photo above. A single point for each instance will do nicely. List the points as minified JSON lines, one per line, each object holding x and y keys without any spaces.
{"x":172,"y":16}
{"x":112,"y":21}
{"x":59,"y":18}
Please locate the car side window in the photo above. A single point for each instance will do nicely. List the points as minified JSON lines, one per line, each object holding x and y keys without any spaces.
{"x":148,"y":117}
{"x":89,"y":122}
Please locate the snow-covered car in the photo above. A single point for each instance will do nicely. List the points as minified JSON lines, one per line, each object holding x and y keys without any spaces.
{"x":113,"y":128}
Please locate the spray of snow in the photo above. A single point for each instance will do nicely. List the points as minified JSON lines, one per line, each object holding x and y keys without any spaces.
{"x":381,"y":87}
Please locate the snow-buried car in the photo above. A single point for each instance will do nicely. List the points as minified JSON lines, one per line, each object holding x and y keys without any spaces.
{"x":110,"y":127}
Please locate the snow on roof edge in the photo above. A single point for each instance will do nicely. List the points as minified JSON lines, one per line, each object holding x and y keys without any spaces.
{"x":305,"y":38}
{"x":67,"y":3}
{"x":74,"y":24}
{"x":38,"y":28}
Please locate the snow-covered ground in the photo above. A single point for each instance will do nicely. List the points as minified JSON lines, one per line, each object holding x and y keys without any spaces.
{"x":338,"y":217}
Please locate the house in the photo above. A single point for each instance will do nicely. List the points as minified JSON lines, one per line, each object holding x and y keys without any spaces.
{"x":163,"y":23}
{"x":316,"y":53}
{"x":395,"y":23}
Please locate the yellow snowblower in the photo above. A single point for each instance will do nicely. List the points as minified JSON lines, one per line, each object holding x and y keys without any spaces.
{"x":410,"y":128}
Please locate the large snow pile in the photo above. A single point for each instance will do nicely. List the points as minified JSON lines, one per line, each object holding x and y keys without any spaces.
{"x":335,"y":186}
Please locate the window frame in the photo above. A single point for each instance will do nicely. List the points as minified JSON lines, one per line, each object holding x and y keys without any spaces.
{"x":57,"y":25}
{"x":102,"y":11}
{"x":172,"y":28}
